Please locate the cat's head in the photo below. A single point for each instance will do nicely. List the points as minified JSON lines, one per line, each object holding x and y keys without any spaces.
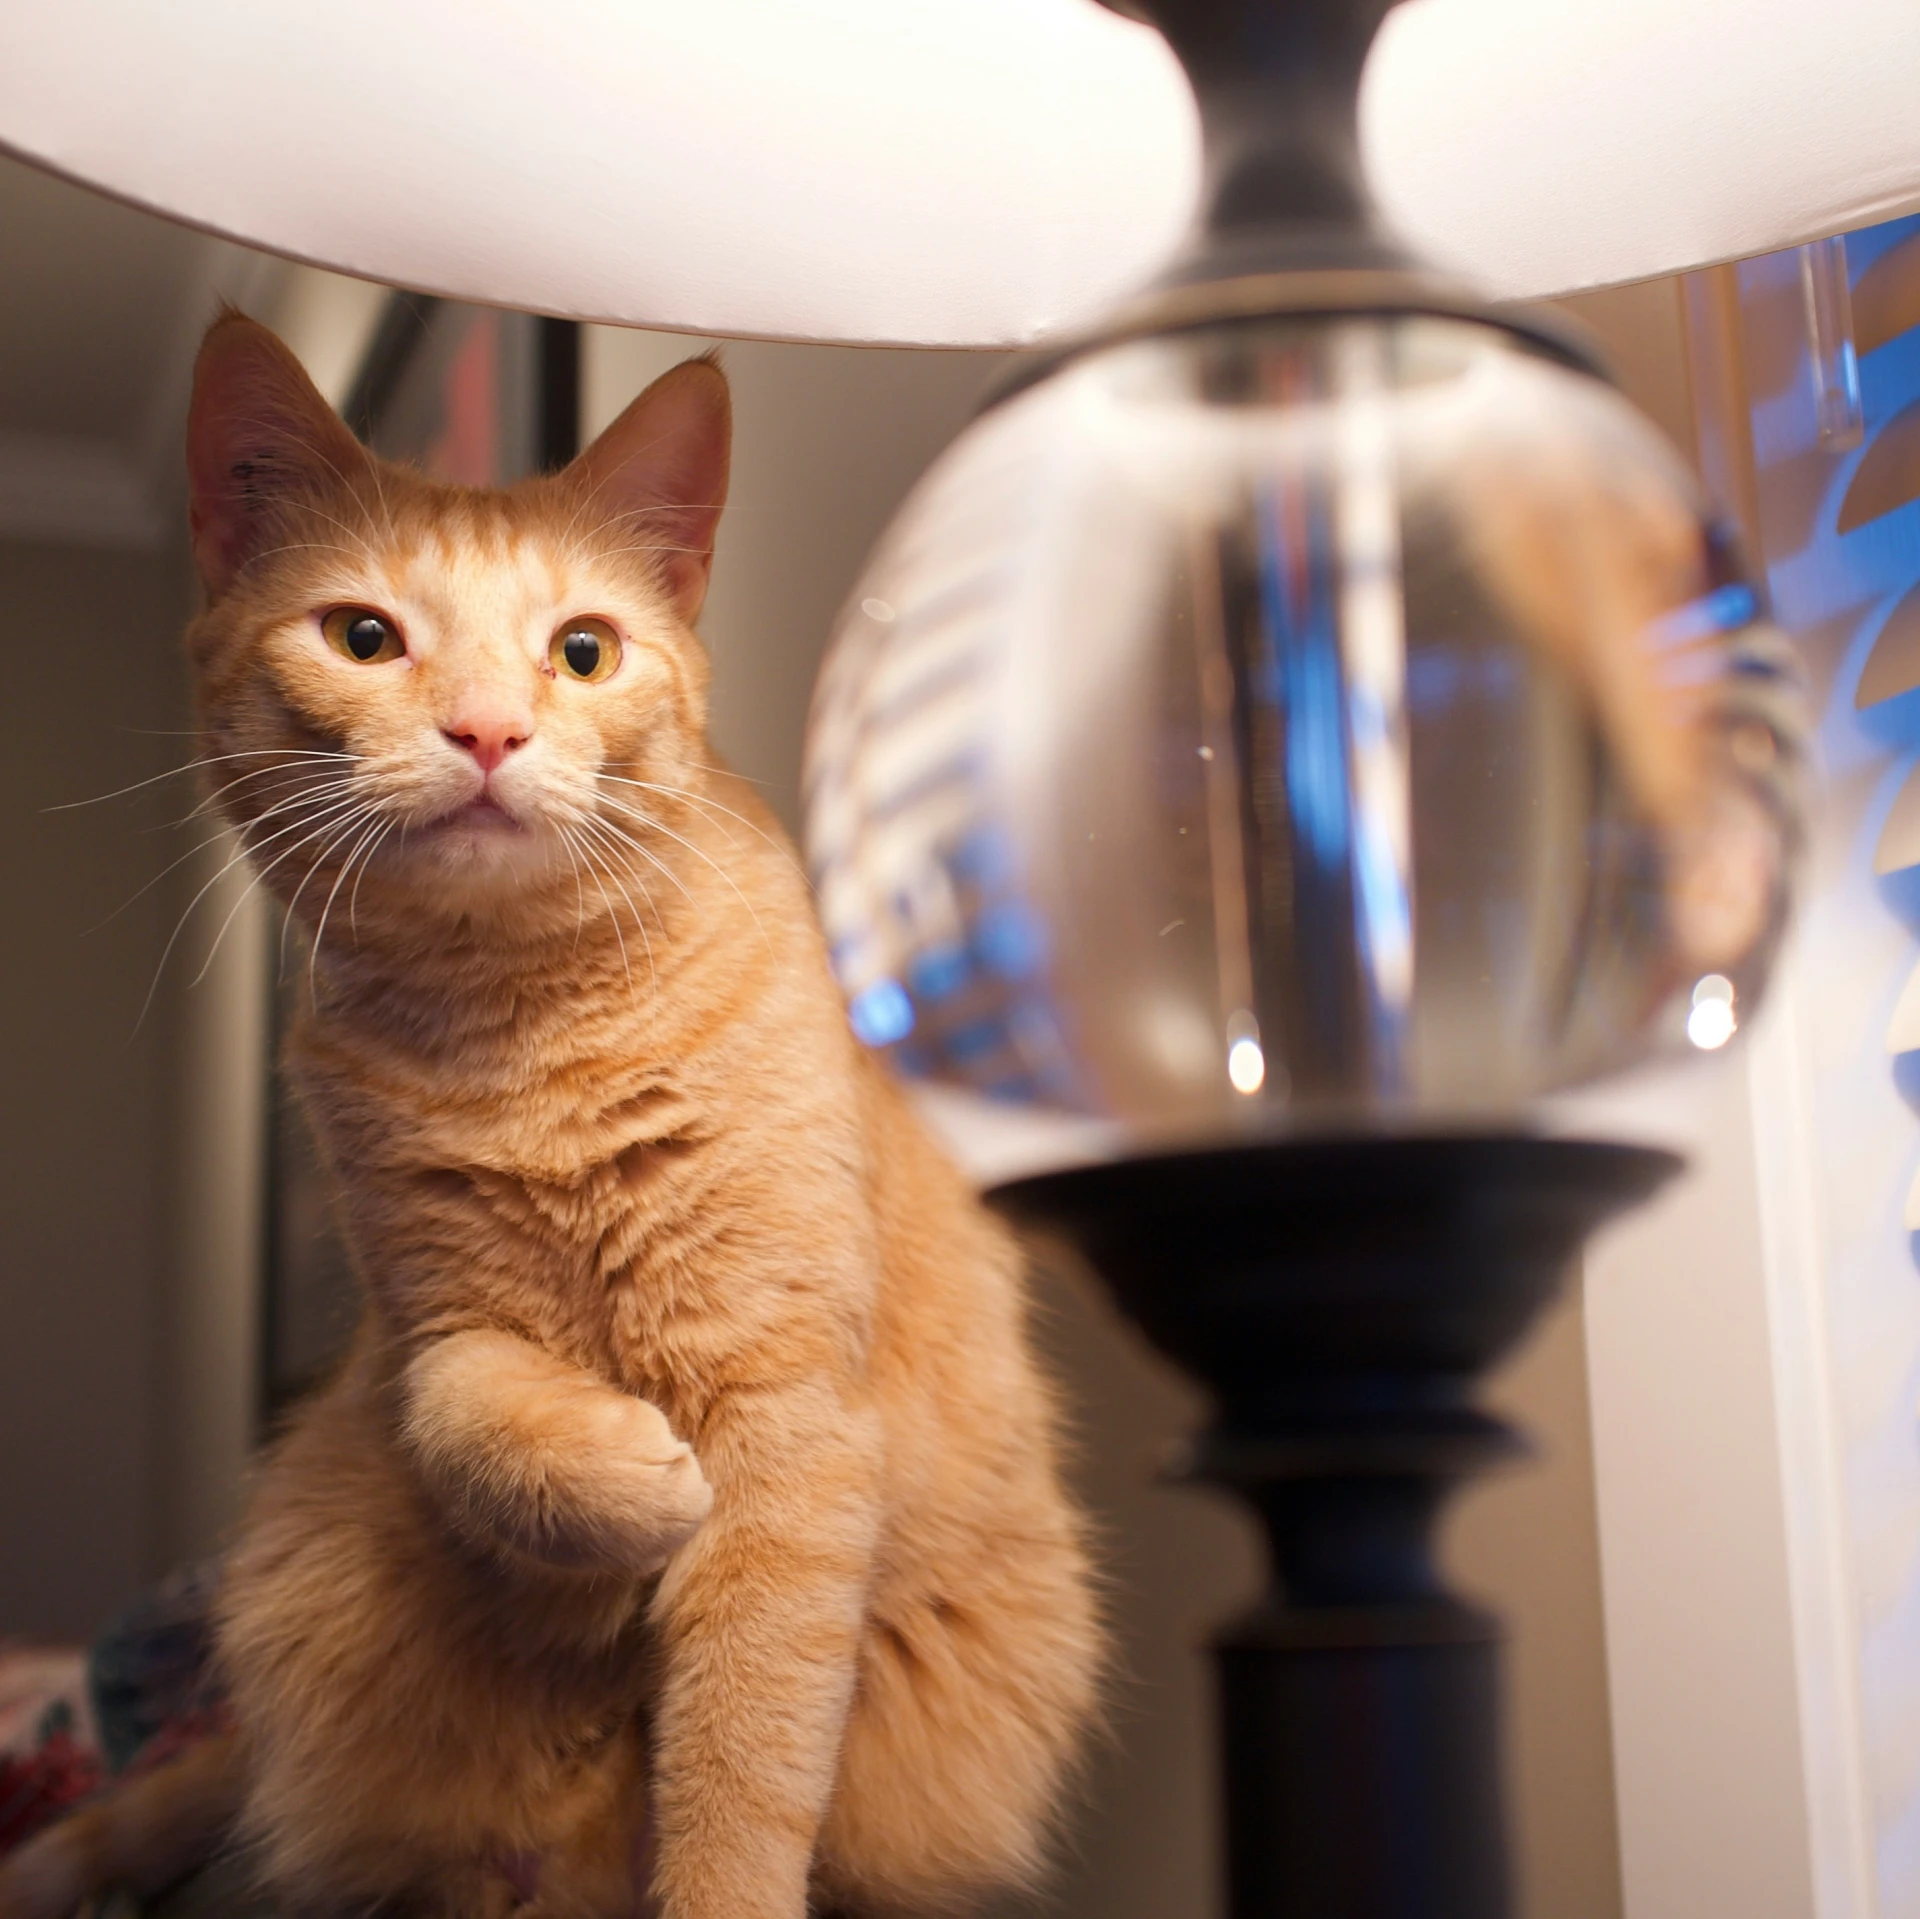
{"x":448,"y":692}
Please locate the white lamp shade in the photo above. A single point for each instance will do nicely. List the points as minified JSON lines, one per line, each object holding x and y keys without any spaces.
{"x":1549,"y":145}
{"x":968,"y":172}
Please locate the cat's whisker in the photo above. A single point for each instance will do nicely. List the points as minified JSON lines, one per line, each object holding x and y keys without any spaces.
{"x":307,"y":796}
{"x":371,"y":832}
{"x":259,"y":878}
{"x":315,"y":777}
{"x":349,"y":824}
{"x":304,"y":546}
{"x":180,"y":926}
{"x":321,"y":811}
{"x":620,"y":938}
{"x":133,"y":899}
{"x":579,"y":896}
{"x":619,"y":842}
{"x":380,"y":492}
{"x":353,"y":533}
{"x":367,"y":556}
{"x":586,"y":500}
{"x":703,"y":800}
{"x":303,"y":780}
{"x":349,"y":820}
{"x":341,"y":832}
{"x":193,"y":852}
{"x":372,"y":462}
{"x":353,"y":903}
{"x":599,"y":827}
{"x":305,"y":808}
{"x":604,"y":553}
{"x":653,"y":1002}
{"x":612,"y":472}
{"x":623,"y":838}
{"x":632,"y":520}
{"x":277,"y":799}
{"x":701,"y":766}
{"x":174,"y":772}
{"x":213,"y":952}
{"x":651,"y":824}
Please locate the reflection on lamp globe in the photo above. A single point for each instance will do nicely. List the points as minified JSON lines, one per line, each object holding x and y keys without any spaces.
{"x":1302,"y":721}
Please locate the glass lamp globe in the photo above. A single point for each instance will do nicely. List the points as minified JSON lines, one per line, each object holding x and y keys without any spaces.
{"x":1302,"y":722}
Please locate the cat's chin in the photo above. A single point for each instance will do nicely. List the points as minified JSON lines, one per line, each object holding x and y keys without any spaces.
{"x":483,"y":846}
{"x":481,"y":833}
{"x":480,"y":819}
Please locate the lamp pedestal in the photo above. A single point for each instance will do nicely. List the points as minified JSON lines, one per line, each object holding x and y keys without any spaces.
{"x":1340,"y":1297}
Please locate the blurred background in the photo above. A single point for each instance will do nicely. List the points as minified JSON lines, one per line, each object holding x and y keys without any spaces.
{"x":167,"y":1275}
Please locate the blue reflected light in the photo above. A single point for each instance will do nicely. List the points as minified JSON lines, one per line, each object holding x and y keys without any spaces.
{"x":978,"y":1040}
{"x":1725,"y":610}
{"x":881,"y":1014}
{"x":1441,"y":673}
{"x":983,"y":858}
{"x":938,"y":972}
{"x":1302,"y":676}
{"x":1009,"y":940}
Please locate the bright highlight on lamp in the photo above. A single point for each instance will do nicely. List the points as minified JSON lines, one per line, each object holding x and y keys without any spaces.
{"x":1712,"y":1020}
{"x":1246,"y":1066}
{"x":882,"y":1015}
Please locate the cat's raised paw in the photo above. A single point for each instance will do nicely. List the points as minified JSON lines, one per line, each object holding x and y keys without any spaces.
{"x":523,"y":1450}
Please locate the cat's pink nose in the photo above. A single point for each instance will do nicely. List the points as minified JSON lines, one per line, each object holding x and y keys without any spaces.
{"x":489,"y":737}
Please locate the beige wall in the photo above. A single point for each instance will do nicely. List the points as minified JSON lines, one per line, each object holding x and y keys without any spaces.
{"x":131,"y":1163}
{"x":90,"y":640}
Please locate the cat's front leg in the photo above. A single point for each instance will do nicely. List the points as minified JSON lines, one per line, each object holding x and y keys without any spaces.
{"x":521,"y":1449}
{"x":760,"y":1620}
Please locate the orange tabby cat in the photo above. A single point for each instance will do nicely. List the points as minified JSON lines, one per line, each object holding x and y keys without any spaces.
{"x":687,"y":1515}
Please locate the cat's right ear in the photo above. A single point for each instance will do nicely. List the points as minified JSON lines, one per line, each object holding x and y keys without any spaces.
{"x":259,"y":435}
{"x":662,"y":468}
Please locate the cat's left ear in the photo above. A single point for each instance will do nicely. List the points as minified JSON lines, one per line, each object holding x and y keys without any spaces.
{"x":661,"y":469}
{"x":260,"y":440}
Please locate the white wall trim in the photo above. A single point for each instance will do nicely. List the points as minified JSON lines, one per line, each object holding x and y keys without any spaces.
{"x":1840,"y":1820}
{"x":1709,"y":1759}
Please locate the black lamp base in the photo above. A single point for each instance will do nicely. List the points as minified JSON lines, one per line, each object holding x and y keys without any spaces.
{"x":1340,"y":1297}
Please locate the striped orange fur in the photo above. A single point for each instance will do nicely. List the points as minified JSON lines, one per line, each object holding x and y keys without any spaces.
{"x":689,"y":1505}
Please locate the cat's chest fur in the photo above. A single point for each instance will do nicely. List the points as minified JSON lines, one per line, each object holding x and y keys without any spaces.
{"x":589,"y":1172}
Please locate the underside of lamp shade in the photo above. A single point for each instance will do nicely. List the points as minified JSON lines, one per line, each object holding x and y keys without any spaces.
{"x":960,"y":172}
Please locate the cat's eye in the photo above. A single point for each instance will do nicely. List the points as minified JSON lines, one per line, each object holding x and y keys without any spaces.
{"x":585,"y":649}
{"x":362,"y":635}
